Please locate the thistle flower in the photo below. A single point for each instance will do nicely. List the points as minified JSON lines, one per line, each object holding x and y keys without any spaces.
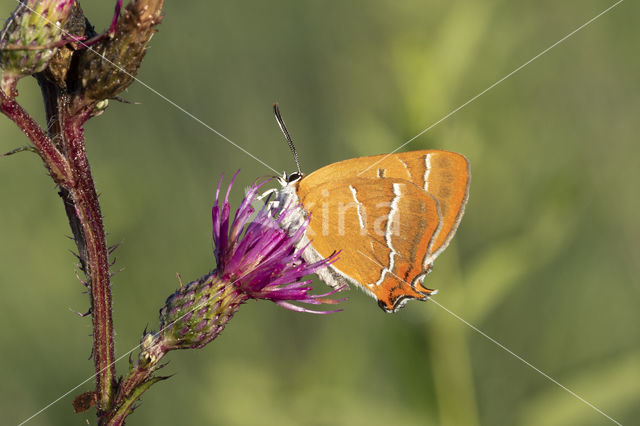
{"x":256,"y":259}
{"x":30,"y":38}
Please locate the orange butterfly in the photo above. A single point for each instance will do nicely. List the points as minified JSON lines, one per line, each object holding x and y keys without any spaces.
{"x":389,"y":215}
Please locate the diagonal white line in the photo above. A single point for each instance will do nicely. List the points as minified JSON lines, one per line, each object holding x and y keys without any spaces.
{"x":154,"y":91}
{"x":495,"y":84}
{"x":75,"y":387}
{"x":504,"y":348}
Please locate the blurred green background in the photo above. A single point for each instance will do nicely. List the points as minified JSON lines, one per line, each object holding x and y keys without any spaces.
{"x":546,"y":260}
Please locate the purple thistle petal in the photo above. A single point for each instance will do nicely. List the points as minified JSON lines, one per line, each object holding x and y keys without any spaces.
{"x":217,"y":225}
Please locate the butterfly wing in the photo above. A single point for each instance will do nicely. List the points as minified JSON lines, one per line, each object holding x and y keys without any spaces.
{"x":443,"y":174}
{"x":384,"y":228}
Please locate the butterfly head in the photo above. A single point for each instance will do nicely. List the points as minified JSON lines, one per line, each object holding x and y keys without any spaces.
{"x":293,"y":177}
{"x":289,"y":178}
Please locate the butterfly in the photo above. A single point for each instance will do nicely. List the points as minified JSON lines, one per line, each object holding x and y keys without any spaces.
{"x":389,"y":216}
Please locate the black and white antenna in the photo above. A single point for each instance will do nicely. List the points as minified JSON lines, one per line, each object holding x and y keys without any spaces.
{"x":287,"y":136}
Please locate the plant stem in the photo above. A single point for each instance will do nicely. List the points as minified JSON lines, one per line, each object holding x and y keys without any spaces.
{"x":85,"y":219}
{"x":84,"y":199}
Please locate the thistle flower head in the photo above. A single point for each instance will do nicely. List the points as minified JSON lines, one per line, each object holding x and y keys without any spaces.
{"x":256,"y":259}
{"x":30,"y":38}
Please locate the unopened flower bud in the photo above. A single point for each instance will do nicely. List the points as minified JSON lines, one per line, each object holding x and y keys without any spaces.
{"x":30,"y":38}
{"x":114,"y":61}
{"x":196,"y":313}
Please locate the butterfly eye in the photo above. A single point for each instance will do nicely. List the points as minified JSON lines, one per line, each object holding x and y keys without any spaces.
{"x":294,"y":177}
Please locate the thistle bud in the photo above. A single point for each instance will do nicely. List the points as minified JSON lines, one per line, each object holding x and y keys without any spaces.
{"x":196,"y":313}
{"x":30,"y":38}
{"x":113,"y":63}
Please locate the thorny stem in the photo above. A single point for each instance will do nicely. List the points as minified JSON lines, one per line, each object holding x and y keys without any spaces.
{"x":85,"y":218}
{"x":87,"y":211}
